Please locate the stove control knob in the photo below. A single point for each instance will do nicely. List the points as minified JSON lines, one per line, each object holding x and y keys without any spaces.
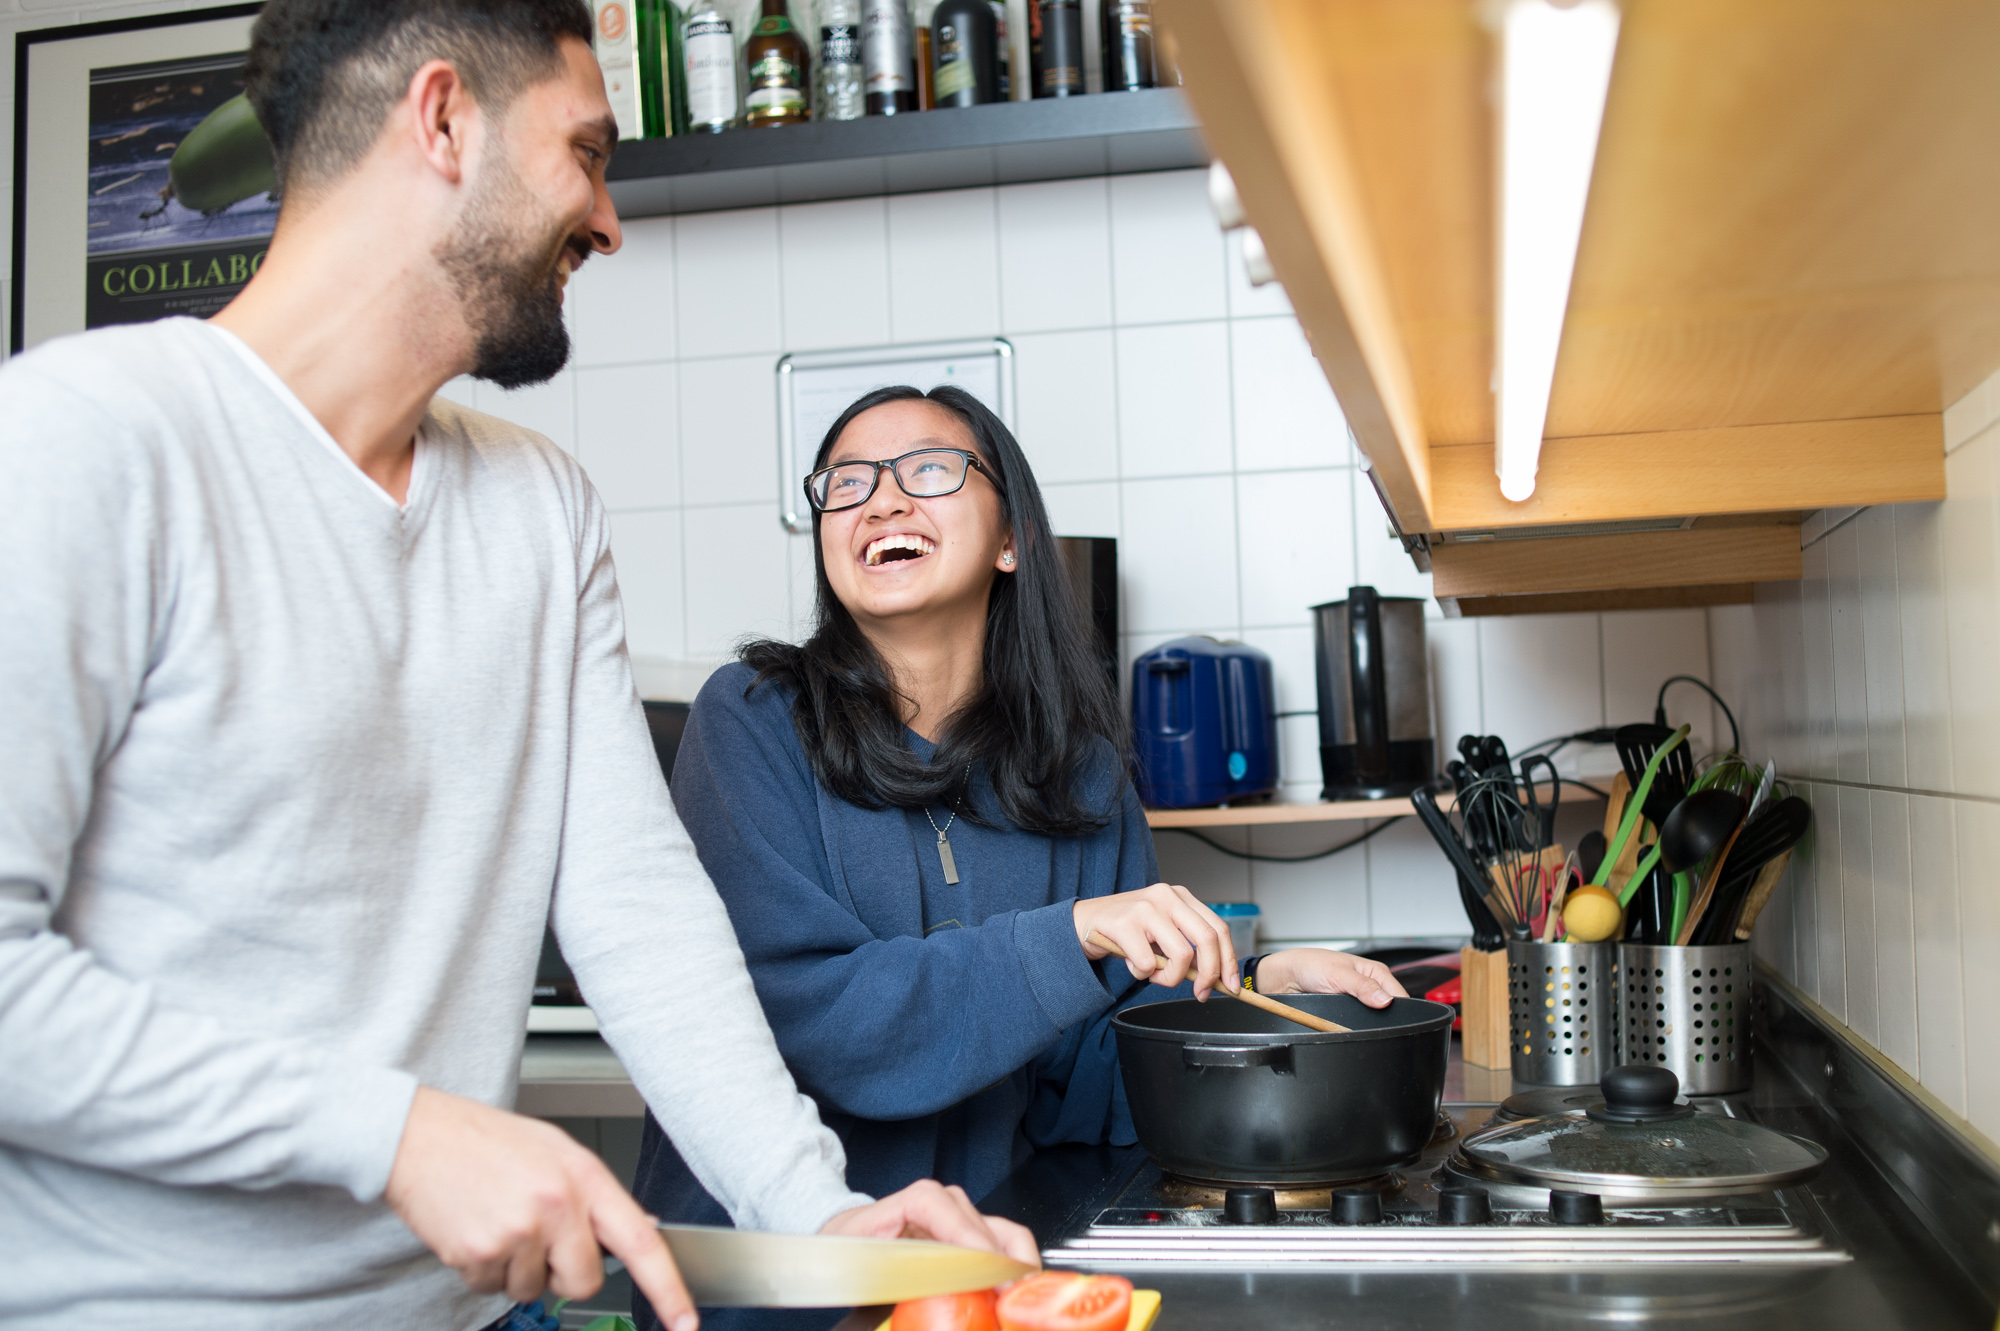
{"x":1575,"y":1208}
{"x":1357,"y":1206}
{"x":1250,"y":1206}
{"x":1464,"y":1206}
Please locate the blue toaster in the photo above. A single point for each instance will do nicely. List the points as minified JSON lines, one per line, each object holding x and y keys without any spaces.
{"x":1204,"y":729}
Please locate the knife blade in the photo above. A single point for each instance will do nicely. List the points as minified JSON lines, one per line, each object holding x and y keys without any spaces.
{"x":747,"y":1268}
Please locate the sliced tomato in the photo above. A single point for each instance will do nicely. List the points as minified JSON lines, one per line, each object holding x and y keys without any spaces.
{"x":946,"y":1312}
{"x":1067,"y":1301}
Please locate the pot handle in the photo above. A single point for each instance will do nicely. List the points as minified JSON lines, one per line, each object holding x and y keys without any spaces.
{"x":1278,"y":1056}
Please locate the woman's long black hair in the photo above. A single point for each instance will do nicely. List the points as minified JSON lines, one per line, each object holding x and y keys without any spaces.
{"x":1045,"y":710}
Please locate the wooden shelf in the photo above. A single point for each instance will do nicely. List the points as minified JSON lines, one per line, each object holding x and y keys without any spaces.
{"x":1003,"y":143}
{"x":1319,"y":811}
{"x":1780,"y":284}
{"x":1260,"y":815}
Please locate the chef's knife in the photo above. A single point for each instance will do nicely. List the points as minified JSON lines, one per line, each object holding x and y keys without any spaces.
{"x":746,"y":1268}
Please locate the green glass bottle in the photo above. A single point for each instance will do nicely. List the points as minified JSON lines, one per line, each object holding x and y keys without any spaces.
{"x":663,"y":98}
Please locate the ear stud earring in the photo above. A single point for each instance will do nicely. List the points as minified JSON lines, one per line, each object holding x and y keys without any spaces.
{"x":1008,"y":560}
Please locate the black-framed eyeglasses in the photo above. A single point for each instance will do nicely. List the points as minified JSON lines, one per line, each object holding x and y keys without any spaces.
{"x":927,"y":473}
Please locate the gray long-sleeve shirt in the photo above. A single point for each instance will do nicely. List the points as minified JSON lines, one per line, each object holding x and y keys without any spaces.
{"x":290,"y":777}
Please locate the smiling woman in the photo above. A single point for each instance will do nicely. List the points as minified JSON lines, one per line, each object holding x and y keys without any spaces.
{"x":921,"y":822}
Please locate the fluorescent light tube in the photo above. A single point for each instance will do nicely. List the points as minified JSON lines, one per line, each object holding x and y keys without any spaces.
{"x":1555,"y":69}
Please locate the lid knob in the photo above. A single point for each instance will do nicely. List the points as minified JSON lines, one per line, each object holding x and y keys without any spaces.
{"x":1639,"y":1093}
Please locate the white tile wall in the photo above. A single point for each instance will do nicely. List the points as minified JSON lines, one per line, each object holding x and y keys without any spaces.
{"x":1871,"y":680}
{"x":1162,"y":402}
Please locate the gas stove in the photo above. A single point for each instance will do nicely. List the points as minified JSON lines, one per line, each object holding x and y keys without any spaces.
{"x":1427,"y":1213}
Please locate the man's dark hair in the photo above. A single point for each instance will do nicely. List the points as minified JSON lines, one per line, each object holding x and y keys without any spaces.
{"x":323,"y":74}
{"x":1044,"y":723}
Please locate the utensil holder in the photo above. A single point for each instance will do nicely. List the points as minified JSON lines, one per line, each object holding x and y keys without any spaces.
{"x":1688,"y":1009}
{"x":1483,"y":1007}
{"x":1562,"y":1002}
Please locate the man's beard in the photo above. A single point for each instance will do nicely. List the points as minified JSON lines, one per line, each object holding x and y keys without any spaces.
{"x":506,"y":288}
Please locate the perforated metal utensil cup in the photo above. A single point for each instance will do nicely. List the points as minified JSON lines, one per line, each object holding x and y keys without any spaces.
{"x":1562,"y":1010}
{"x":1688,"y":1009}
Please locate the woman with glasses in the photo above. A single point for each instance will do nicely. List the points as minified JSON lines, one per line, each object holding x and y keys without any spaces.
{"x":923,"y":828}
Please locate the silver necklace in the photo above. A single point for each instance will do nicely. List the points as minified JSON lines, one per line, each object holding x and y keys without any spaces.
{"x":944,"y":842}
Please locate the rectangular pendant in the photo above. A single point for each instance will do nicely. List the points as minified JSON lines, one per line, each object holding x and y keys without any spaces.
{"x":950,"y":864}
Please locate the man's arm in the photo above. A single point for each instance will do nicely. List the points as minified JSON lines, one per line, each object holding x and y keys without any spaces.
{"x":653,"y":950}
{"x":98,"y":1071}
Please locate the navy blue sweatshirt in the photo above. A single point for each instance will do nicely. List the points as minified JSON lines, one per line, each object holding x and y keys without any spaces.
{"x":945,"y":1030}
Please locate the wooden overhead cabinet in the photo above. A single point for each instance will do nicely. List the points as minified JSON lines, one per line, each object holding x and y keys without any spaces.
{"x":1789,"y":266}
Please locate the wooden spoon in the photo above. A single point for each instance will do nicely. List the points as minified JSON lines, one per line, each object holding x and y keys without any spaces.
{"x":1250,"y":996}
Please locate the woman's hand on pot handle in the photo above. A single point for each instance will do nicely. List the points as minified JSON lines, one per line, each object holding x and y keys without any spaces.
{"x":1316,"y":970}
{"x":1166,"y":935}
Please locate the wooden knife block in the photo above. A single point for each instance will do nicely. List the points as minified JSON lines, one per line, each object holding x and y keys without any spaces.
{"x":1483,"y":1007}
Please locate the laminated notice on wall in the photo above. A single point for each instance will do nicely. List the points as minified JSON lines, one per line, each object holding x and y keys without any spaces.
{"x":815,"y":387}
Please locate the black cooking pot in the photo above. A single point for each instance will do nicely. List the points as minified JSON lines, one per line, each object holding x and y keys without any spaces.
{"x":1227,"y":1092}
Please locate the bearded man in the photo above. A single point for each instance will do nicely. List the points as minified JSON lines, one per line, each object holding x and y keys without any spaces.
{"x":315,"y":705}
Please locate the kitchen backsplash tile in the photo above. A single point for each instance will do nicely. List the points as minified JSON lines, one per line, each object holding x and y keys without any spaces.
{"x":1937,"y":937}
{"x":1173,"y":400}
{"x":1088,"y":508}
{"x":1055,"y":256}
{"x":1895,"y":943}
{"x":727,"y":283}
{"x":1246,"y":301}
{"x":738,"y":577}
{"x":1979,"y":921}
{"x":1645,"y":648}
{"x":1926,"y":672}
{"x":1882,"y":647}
{"x":944,"y":265}
{"x":1178,"y":541}
{"x":652,"y":581}
{"x":1286,"y":416}
{"x":1068,"y":418}
{"x":1166,"y":250}
{"x":1541,"y":676}
{"x":627,"y":413}
{"x":618,"y":299}
{"x":1850,"y":666}
{"x":1859,"y":925}
{"x":834,"y":274}
{"x":729,"y":431}
{"x":1972,"y":615}
{"x":1299,"y":550}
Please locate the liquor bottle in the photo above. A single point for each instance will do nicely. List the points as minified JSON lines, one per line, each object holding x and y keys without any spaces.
{"x":965,"y":39}
{"x":926,"y":94}
{"x":662,"y":88}
{"x":710,"y":46}
{"x":888,"y":58}
{"x":617,"y":46}
{"x":638,"y":49}
{"x":779,"y":68}
{"x":1003,"y":54}
{"x":1055,"y":30}
{"x":1128,"y":45}
{"x":839,"y":93}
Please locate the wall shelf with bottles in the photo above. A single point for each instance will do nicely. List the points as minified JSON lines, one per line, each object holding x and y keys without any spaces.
{"x":998,"y":144}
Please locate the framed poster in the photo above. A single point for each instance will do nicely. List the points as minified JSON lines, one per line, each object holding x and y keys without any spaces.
{"x":143,"y":185}
{"x":814,"y":387}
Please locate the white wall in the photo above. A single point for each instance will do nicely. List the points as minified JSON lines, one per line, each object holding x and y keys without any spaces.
{"x":1872,"y":681}
{"x":1162,"y":401}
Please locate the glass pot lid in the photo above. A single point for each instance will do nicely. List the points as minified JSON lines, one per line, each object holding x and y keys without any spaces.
{"x":1634,"y":1140}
